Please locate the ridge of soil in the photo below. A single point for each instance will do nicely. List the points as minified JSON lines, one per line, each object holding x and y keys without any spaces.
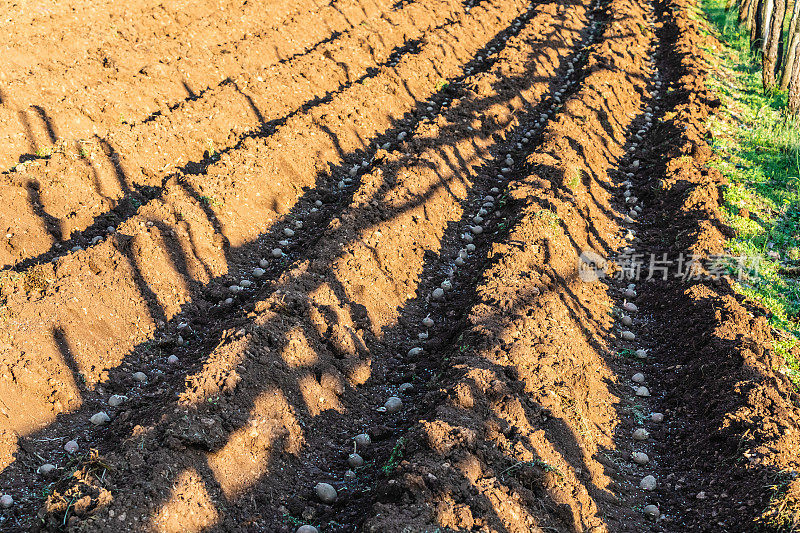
{"x":397,"y":163}
{"x":734,"y":427}
{"x":533,"y":429}
{"x":175,"y":254}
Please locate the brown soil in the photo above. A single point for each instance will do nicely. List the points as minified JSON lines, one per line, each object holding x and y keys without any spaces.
{"x":368,"y":136}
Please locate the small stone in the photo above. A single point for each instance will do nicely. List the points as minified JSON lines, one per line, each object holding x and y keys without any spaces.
{"x":628,"y":335}
{"x":630,"y":306}
{"x":641,"y":434}
{"x":45,"y":469}
{"x":362,"y":440}
{"x":173,"y":359}
{"x":626,"y":320}
{"x":277,"y":252}
{"x":98,"y":419}
{"x":405,"y":388}
{"x":6,"y":501}
{"x":307,"y":529}
{"x":438,"y":293}
{"x":393,"y":405}
{"x":641,"y":353}
{"x":71,"y":446}
{"x":350,"y":474}
{"x":651,"y":511}
{"x":701,"y":495}
{"x":413,"y":352}
{"x":647,"y":483}
{"x":116,"y":400}
{"x":325,"y":492}
{"x":642,"y":391}
{"x":139,"y":376}
{"x":258,"y":272}
{"x":638,"y":378}
{"x":657,"y":417}
{"x":355,"y":460}
{"x":640,"y":458}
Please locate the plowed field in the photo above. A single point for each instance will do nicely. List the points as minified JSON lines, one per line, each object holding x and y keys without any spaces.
{"x":238,"y":234}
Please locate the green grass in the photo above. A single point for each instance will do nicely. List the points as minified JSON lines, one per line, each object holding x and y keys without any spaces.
{"x":212,"y":201}
{"x":757,"y":144}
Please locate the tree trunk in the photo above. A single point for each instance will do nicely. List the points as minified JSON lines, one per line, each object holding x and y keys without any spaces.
{"x":745,"y":6}
{"x":766,"y":23}
{"x":794,"y":84}
{"x":754,"y":24}
{"x":791,"y":48}
{"x":769,"y":61}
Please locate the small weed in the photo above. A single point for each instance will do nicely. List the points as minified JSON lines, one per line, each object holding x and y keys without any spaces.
{"x":36,"y":279}
{"x":630,"y":355}
{"x":783,"y":510}
{"x":572,"y":406}
{"x":638,"y":415}
{"x":574,"y":179}
{"x":547,"y":467}
{"x":550,"y":218}
{"x":211,"y":151}
{"x":44,"y":151}
{"x":293,"y":521}
{"x":395,"y":457}
{"x":212,"y":201}
{"x":441,"y":85}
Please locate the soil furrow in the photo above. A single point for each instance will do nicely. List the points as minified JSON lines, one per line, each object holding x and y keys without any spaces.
{"x":376,"y":266}
{"x":441,"y":154}
{"x":153,"y":66}
{"x":531,"y":427}
{"x":729,"y":443}
{"x":91,"y":267}
{"x":110,"y":175}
